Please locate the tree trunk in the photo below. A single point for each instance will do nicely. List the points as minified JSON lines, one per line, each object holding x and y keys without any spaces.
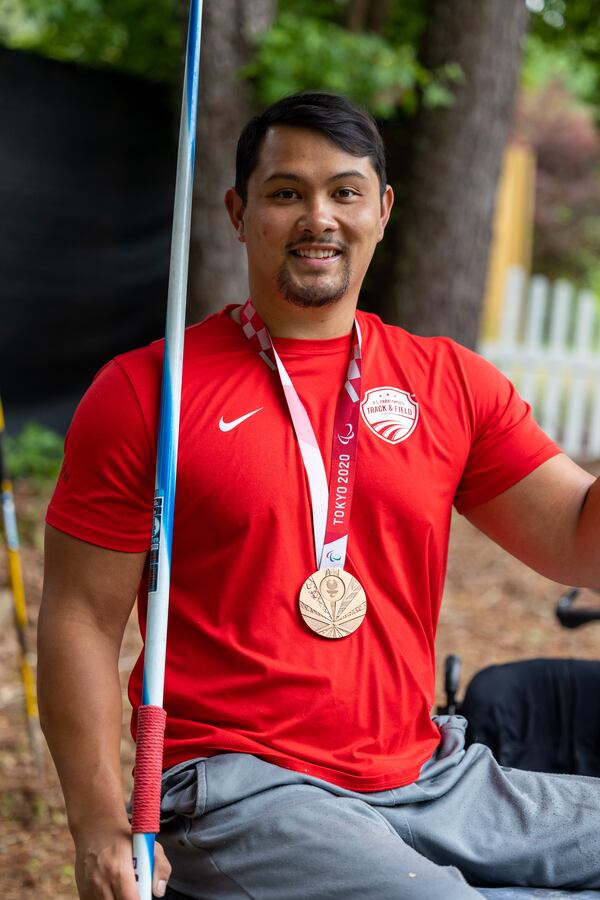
{"x":217,"y":261}
{"x":366,"y":15}
{"x":445,"y":228}
{"x":357,"y":15}
{"x":378,"y":11}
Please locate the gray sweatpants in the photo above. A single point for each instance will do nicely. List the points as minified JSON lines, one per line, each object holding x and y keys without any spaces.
{"x":235,"y":826}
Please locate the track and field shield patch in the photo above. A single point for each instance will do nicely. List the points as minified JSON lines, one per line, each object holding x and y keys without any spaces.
{"x":390,"y":413}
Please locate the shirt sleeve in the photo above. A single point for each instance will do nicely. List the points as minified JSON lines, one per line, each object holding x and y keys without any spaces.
{"x":104,"y":493}
{"x":506,"y":442}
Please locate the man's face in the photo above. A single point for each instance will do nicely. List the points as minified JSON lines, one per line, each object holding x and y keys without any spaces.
{"x":313,"y":216}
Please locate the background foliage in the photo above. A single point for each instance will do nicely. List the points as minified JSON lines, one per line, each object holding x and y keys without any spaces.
{"x":566,"y":142}
{"x":558,"y":116}
{"x":379,"y":74}
{"x":132,"y":35}
{"x":570,"y":29}
{"x":310,"y":46}
{"x":34,"y":453}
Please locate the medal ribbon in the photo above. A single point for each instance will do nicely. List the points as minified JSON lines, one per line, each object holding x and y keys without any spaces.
{"x":330,"y":508}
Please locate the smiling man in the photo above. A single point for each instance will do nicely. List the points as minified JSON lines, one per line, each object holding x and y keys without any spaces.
{"x":310,"y":230}
{"x":321,"y":453}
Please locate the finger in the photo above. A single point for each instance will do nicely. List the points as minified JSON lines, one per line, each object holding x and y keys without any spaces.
{"x":126,"y":889}
{"x":98,"y":889}
{"x":96,"y":886}
{"x":159,"y":888}
{"x":162,"y":871}
{"x":159,"y":884}
{"x":124,"y":884}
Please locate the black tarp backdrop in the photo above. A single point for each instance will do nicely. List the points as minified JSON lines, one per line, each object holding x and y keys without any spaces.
{"x":87,"y":173}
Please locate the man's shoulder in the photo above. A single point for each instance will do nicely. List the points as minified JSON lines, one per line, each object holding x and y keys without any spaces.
{"x":435,"y":364}
{"x":436,"y":346}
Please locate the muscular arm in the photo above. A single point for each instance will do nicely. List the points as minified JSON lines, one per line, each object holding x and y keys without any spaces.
{"x":550,"y":520}
{"x":88,"y":596}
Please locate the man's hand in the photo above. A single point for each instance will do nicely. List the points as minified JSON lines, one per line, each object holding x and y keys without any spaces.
{"x":104,"y":867}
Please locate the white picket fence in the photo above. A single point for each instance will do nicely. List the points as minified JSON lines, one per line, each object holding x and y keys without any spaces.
{"x":548,"y":347}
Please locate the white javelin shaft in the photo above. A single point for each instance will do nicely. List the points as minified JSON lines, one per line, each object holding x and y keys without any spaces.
{"x":166,"y":463}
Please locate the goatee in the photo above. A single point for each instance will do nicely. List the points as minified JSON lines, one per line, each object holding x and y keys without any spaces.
{"x":313,"y":296}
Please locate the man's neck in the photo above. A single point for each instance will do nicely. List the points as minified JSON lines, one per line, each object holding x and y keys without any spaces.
{"x":305,"y":324}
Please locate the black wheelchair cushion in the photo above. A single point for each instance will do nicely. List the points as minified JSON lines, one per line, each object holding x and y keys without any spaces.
{"x":540,"y":714}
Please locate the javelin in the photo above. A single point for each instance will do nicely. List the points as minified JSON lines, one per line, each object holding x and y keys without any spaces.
{"x":145,"y":822}
{"x":11,"y":535}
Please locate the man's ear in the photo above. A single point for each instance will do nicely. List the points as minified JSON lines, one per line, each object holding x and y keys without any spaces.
{"x":387,"y":201}
{"x":235,"y":210}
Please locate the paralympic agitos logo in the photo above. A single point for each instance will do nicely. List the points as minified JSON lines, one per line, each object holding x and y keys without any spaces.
{"x":346,"y":438}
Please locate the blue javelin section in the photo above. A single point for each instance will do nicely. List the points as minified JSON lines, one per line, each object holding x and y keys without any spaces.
{"x":191,"y":88}
{"x":166,"y":464}
{"x":192,"y":152}
{"x":165,"y":461}
{"x":149,"y":840}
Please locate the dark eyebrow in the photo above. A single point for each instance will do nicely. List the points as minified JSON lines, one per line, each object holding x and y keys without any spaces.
{"x":282,"y":176}
{"x":290,"y":176}
{"x":351,"y":173}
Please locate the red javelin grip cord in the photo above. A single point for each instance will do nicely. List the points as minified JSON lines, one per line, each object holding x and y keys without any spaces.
{"x":145,"y":818}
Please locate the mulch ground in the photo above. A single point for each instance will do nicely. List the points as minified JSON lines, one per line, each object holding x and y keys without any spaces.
{"x":495,"y":610}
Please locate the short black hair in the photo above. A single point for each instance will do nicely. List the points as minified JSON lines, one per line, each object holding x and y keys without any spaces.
{"x":346,"y":125}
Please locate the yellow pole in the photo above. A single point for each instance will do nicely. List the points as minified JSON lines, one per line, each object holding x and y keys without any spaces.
{"x":512,"y":236}
{"x":11,"y":536}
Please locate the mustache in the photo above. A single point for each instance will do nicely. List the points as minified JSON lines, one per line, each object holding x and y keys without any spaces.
{"x":294,"y":246}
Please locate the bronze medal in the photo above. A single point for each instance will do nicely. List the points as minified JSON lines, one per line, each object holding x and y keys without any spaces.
{"x":332,"y":603}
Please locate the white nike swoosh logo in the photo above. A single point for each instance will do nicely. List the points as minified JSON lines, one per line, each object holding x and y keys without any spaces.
{"x":228,"y":426}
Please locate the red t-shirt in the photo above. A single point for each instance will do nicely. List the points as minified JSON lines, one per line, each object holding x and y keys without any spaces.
{"x":438,"y":426}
